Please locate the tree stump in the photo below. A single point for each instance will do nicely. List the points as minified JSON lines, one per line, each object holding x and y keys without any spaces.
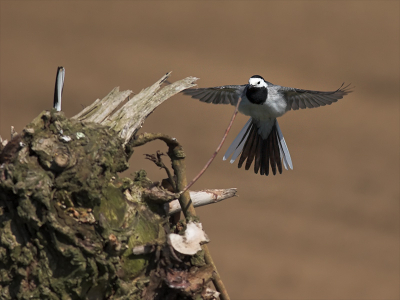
{"x":71,"y":228}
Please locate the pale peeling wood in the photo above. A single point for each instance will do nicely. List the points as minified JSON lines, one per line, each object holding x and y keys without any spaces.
{"x":101,"y":109}
{"x":13,"y":132}
{"x":200,"y":198}
{"x":130,"y":118}
{"x":88,"y":110}
{"x":3,"y":143}
{"x":110,"y":105}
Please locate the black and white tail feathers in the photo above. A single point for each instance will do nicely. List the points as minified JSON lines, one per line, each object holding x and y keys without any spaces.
{"x":271,"y":151}
{"x":58,"y":89}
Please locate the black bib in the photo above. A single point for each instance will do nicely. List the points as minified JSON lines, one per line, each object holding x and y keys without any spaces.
{"x":257,"y":95}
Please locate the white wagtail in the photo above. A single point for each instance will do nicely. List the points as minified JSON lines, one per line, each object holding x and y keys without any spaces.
{"x":261,"y":138}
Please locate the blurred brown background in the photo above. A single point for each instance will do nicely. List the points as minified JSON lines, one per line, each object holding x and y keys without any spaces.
{"x":329,"y":229}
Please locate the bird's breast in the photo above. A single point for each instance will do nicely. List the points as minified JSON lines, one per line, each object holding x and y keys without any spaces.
{"x":273,"y":107}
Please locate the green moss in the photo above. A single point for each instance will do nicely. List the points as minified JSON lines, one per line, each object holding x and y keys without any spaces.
{"x":146,"y":231}
{"x":26,"y":257}
{"x":112,"y":208}
{"x":198,"y":259}
{"x":4,"y":277}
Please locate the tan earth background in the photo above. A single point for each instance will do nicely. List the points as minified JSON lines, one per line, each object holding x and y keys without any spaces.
{"x":329,"y":229}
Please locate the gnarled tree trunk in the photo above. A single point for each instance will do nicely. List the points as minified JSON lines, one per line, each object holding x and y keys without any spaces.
{"x":71,"y":228}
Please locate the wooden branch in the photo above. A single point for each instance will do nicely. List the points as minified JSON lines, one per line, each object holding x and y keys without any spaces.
{"x":201,"y":198}
{"x":130,"y":118}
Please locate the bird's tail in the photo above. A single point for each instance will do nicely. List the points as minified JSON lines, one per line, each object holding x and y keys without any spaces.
{"x":264,"y":152}
{"x":59,"y":88}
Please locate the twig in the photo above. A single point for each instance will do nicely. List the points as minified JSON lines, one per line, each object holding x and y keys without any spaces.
{"x":217,"y":150}
{"x":159,"y":163}
{"x":216,"y":278}
{"x":177,"y":156}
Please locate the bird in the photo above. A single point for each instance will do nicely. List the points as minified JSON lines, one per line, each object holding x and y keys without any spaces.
{"x":261,"y":139}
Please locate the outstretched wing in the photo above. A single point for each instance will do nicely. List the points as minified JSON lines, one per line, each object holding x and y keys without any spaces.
{"x":298,"y":98}
{"x":227,"y":94}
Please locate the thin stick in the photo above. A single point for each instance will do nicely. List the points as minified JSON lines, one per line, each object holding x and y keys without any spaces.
{"x":217,"y":150}
{"x":217,"y":281}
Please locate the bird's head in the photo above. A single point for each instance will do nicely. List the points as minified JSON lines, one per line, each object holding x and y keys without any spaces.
{"x":257,"y":81}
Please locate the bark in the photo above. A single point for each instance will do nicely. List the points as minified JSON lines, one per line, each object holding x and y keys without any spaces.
{"x":69,"y":225}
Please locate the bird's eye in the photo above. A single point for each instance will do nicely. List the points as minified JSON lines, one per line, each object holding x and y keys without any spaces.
{"x":258,"y":82}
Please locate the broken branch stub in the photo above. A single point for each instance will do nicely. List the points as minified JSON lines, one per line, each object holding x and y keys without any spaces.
{"x":201,"y":198}
{"x":99,"y":110}
{"x":128,"y":119}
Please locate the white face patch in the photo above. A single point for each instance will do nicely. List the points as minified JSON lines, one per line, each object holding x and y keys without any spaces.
{"x":257,"y":82}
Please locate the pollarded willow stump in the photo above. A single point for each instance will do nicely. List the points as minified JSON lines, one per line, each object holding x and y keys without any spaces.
{"x":71,"y":228}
